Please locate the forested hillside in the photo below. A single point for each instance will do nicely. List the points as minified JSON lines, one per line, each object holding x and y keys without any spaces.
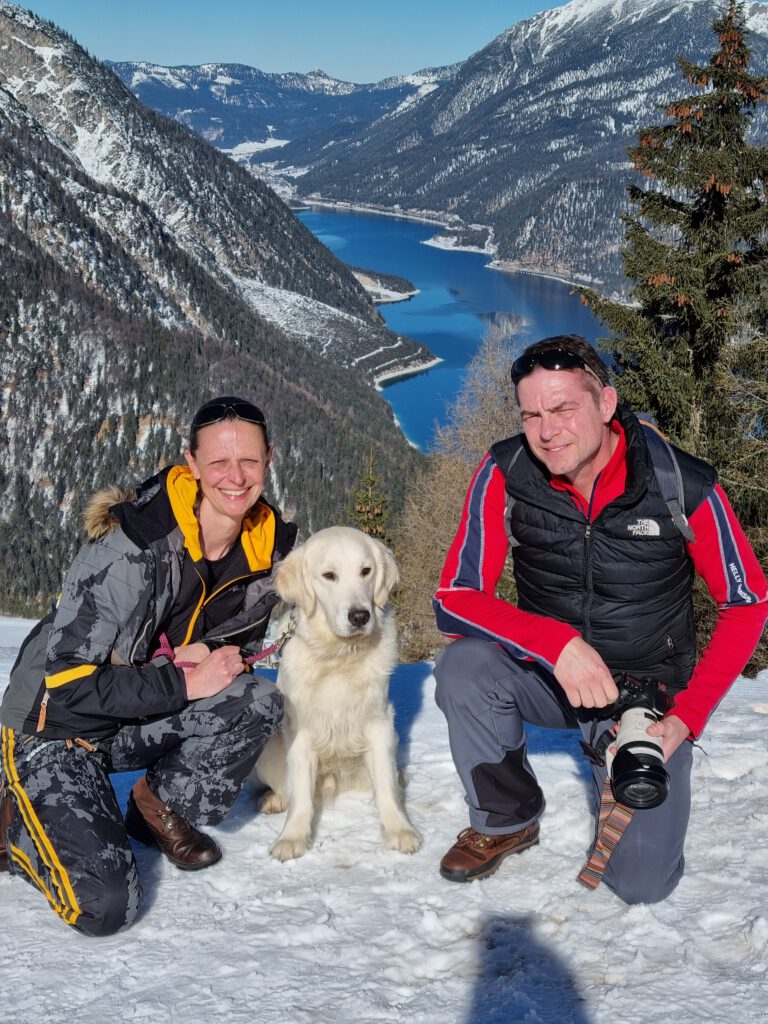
{"x":136,"y":264}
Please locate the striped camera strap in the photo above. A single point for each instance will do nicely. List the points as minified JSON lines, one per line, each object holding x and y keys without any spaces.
{"x":612,"y":822}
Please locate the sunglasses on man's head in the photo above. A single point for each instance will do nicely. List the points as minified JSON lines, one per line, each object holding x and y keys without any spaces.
{"x":550,"y":359}
{"x":217,"y":412}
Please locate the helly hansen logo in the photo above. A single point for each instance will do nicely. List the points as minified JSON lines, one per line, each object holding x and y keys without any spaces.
{"x":645,"y":528}
{"x":738,"y":579}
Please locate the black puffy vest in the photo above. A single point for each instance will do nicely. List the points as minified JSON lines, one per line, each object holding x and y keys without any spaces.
{"x":625,"y":580}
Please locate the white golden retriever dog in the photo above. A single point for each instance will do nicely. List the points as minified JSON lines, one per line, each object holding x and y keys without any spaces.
{"x":338,"y":730}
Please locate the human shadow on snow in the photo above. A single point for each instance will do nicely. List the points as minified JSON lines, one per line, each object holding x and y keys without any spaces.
{"x":520,"y":979}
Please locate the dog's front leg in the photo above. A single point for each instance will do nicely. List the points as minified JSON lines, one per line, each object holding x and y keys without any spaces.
{"x":301,"y":777}
{"x":380,"y":761}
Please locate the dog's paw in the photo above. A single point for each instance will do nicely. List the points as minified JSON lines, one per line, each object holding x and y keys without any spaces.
{"x":273,"y":803}
{"x":406,"y":840}
{"x":288,"y":849}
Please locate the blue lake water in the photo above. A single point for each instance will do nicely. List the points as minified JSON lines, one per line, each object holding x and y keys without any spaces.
{"x":458,"y":296}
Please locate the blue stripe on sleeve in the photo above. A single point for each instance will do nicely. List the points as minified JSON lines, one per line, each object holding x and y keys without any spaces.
{"x":470,"y":562}
{"x":733,"y":567}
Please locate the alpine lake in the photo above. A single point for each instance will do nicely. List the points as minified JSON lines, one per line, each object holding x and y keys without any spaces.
{"x":459,"y":296}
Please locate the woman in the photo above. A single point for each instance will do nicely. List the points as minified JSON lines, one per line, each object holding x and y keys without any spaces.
{"x":141,"y":667}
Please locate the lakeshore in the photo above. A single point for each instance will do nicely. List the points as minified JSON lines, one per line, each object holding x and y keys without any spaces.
{"x":449,"y":223}
{"x":390,"y":376}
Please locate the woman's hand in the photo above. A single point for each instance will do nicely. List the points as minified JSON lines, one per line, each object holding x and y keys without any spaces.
{"x":192,"y":653}
{"x":214,"y":673}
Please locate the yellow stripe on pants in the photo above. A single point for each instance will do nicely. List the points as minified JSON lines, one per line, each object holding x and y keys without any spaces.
{"x":66,"y":906}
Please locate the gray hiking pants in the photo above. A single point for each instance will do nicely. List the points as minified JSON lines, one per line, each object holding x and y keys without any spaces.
{"x":487,"y":698}
{"x":68,"y":837}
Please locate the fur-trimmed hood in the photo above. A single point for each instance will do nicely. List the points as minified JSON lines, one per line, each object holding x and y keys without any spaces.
{"x":98,"y":520}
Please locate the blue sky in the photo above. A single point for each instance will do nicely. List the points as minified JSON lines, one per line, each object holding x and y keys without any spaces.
{"x":355,"y":40}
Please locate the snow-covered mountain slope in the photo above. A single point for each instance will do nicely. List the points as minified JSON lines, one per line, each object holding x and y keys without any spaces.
{"x":530,"y":135}
{"x":229,"y":223}
{"x":355,"y":934}
{"x":140,"y":272}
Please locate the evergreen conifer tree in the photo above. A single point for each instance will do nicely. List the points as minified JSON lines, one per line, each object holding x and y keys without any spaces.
{"x":369,"y":505}
{"x":696,"y":242}
{"x":692,"y":348}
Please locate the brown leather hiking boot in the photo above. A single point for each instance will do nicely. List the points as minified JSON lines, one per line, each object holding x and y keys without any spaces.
{"x":151,"y":821}
{"x":7,"y":811}
{"x":475,"y":855}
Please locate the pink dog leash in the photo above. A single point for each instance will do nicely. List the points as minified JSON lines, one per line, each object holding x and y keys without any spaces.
{"x":166,"y":651}
{"x":278,"y":645}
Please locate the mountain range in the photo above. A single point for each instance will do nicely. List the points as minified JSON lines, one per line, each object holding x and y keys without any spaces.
{"x":232,"y":105}
{"x":526,"y":139}
{"x":141,"y":271}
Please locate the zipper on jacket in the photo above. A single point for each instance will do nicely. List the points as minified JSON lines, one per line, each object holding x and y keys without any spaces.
{"x":242,"y":629}
{"x":136,"y":643}
{"x":226,"y":586}
{"x":197,"y":610}
{"x":206,"y":600}
{"x":586,"y":626}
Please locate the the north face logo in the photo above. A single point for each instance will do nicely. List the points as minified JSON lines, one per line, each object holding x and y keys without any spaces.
{"x":645,"y":528}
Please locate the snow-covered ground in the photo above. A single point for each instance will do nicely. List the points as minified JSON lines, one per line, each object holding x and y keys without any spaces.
{"x":354,"y":933}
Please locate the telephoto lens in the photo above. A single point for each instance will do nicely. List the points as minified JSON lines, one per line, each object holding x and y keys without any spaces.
{"x":638,"y":776}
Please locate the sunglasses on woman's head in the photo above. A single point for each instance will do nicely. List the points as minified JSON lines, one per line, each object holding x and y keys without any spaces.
{"x":550,"y":359}
{"x":228,"y":409}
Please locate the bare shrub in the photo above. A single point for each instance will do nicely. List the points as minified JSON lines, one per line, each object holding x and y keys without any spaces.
{"x":484,"y":412}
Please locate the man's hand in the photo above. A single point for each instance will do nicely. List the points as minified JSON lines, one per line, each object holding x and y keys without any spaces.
{"x":584,"y":676}
{"x":672,"y":730}
{"x":214,"y":673}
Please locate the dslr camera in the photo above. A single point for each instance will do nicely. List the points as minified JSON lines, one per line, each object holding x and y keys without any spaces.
{"x":638,"y":776}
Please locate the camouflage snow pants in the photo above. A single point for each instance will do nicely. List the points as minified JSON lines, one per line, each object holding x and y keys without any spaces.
{"x":68,"y":836}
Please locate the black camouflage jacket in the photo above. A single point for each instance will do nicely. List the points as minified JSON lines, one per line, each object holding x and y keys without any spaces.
{"x":89,"y":663}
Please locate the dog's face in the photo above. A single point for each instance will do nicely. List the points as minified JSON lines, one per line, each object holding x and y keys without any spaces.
{"x":342,"y":574}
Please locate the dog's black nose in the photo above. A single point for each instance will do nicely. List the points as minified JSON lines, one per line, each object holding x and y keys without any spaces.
{"x":358,"y":617}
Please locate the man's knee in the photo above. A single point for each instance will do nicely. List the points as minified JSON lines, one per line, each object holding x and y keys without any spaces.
{"x":645,"y":870}
{"x":462,"y":668}
{"x":634,"y":888}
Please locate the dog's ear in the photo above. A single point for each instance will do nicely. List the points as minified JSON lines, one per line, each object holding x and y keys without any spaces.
{"x":292,"y":581}
{"x":387,"y":574}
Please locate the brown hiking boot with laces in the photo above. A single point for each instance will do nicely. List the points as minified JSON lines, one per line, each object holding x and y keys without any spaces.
{"x":151,"y":821}
{"x":476,"y":855}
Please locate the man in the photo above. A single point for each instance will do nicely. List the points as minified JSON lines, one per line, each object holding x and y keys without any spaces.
{"x":604,"y":578}
{"x":141,"y":668}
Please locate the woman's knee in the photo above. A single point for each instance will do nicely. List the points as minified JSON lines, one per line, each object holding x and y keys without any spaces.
{"x":107,"y":905}
{"x":250,"y":704}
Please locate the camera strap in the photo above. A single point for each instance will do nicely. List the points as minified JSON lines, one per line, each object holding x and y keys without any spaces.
{"x":612,"y":822}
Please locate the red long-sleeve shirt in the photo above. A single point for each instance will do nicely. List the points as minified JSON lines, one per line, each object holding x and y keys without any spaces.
{"x":466,"y":604}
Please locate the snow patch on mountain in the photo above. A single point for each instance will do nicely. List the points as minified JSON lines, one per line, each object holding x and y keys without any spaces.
{"x":244,"y":150}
